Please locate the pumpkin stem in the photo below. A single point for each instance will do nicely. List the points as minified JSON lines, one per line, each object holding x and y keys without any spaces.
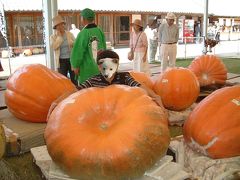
{"x":103,"y":126}
{"x":205,"y":76}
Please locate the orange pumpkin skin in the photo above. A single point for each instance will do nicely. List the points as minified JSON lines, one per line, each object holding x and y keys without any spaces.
{"x":31,"y":89}
{"x":213,"y":127}
{"x":178,"y":88}
{"x":108,"y":133}
{"x":209,"y":70}
{"x":142,"y":78}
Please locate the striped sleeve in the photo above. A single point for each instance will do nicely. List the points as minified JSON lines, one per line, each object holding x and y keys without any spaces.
{"x":85,"y":84}
{"x":130,"y":81}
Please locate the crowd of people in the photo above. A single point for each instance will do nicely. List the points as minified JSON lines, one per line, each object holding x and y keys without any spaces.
{"x":76,"y":52}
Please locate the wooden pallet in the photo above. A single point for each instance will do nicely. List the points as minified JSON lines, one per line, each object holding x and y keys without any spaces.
{"x":20,"y":135}
{"x":164,"y":169}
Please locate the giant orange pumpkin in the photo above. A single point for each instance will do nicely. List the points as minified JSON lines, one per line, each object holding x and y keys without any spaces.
{"x":209,"y":70}
{"x":178,"y":88}
{"x":142,"y":78}
{"x":31,"y":89}
{"x":213,"y":127}
{"x":108,"y":133}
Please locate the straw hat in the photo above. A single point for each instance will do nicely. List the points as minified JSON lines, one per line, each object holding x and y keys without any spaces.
{"x":137,"y":22}
{"x":170,"y":15}
{"x":57,"y":20}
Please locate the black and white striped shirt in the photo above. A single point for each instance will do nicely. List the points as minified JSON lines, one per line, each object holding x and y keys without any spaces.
{"x":123,"y":78}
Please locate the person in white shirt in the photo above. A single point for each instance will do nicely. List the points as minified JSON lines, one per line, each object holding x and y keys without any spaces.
{"x":152,"y":35}
{"x":74,"y":30}
{"x":168,"y":38}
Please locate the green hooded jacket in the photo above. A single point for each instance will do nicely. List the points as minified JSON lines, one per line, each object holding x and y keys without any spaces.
{"x":84,"y":52}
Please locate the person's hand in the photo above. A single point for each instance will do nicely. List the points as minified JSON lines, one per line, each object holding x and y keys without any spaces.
{"x":76,"y":71}
{"x":158,"y":100}
{"x":144,"y":58}
{"x":57,"y":32}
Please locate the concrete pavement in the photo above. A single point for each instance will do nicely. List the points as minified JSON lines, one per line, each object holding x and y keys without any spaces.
{"x":224,"y":48}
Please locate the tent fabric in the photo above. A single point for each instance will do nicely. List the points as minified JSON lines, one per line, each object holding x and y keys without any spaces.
{"x":216,"y":7}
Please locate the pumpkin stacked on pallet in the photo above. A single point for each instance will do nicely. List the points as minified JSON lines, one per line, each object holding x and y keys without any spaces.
{"x":178,"y":88}
{"x":213,"y":127}
{"x":142,"y":78}
{"x":116,"y":132}
{"x":32,"y":88}
{"x":209,"y":70}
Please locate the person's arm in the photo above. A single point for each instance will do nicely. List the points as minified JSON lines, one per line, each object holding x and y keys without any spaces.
{"x":56,"y":40}
{"x":85,"y":84}
{"x":160,"y":29}
{"x":145,"y":43}
{"x":155,"y":98}
{"x":177,"y":34}
{"x":77,"y":53}
{"x":131,"y":42}
{"x":130,"y":81}
{"x":153,"y":95}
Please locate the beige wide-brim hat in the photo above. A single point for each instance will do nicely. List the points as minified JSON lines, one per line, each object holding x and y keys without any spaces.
{"x":137,"y":22}
{"x":57,"y":20}
{"x":170,"y":15}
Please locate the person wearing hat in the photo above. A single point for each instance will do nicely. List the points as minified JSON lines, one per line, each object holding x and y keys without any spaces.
{"x":122,"y":78}
{"x":152,"y":34}
{"x":139,"y":46}
{"x":168,"y":38}
{"x":62,"y":42}
{"x":90,"y":39}
{"x":109,"y":60}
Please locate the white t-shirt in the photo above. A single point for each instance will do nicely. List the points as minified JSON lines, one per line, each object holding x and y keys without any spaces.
{"x":75,"y":32}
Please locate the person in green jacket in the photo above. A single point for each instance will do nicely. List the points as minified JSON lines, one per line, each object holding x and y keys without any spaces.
{"x":84,"y":52}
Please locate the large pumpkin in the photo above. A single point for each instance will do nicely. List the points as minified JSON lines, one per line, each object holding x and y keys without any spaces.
{"x":209,"y":70}
{"x":115,"y":132}
{"x":142,"y":78}
{"x":31,"y":89}
{"x":178,"y":88}
{"x":213,"y":127}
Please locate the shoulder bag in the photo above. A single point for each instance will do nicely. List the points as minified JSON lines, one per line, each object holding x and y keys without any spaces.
{"x":131,"y":53}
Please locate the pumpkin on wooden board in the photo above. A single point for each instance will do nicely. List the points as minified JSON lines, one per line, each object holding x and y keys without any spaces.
{"x":142,"y":78}
{"x":178,"y":88}
{"x":32,"y":88}
{"x":213,"y":127}
{"x":108,"y":133}
{"x":2,"y":142}
{"x":209,"y":70}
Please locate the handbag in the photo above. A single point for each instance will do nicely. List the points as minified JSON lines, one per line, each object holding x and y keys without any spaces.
{"x":131,"y":53}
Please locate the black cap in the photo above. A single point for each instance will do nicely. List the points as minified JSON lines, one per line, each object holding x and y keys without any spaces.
{"x":106,"y":54}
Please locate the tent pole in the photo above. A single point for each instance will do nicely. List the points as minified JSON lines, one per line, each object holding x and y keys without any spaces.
{"x":205,"y":25}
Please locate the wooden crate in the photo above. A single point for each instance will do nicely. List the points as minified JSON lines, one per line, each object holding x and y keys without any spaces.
{"x":20,"y":135}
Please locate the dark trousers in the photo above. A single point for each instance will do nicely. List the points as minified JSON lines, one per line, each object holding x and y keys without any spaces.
{"x":65,"y":68}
